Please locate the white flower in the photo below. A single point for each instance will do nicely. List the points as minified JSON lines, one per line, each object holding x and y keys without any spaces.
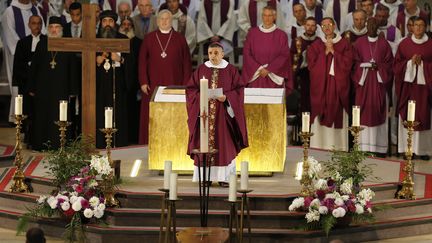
{"x":98,"y":213}
{"x":42,"y":199}
{"x":315,"y":203}
{"x":101,"y":165}
{"x":73,"y":199}
{"x":65,"y":206}
{"x":76,"y":206}
{"x":346,"y":186}
{"x":369,"y":210}
{"x":330,"y":195}
{"x":337,"y":176}
{"x":321,"y":184}
{"x":338,"y":212}
{"x":297,"y":203}
{"x":52,"y":202}
{"x":93,"y":184}
{"x":362,"y":202}
{"x":94,"y":202}
{"x":101,"y":207}
{"x":366,"y":194}
{"x":65,"y":198}
{"x":339,"y":201}
{"x":73,"y":194}
{"x":312,"y":216}
{"x":359,"y":209}
{"x":323,"y":210}
{"x":314,"y":167}
{"x":88,"y":213}
{"x":345,"y":197}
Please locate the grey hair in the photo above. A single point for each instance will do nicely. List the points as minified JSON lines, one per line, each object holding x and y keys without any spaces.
{"x":159,"y":14}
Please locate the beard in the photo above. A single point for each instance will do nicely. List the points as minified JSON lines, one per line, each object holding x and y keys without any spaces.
{"x":108,"y":32}
{"x":130,"y":34}
{"x":53,"y":35}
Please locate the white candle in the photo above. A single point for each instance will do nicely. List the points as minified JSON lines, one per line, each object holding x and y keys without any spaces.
{"x":411,"y":110}
{"x":305,"y":121}
{"x":244,"y":175}
{"x":108,"y":117}
{"x":356,"y":116}
{"x":173,"y":186}
{"x":167,"y":174}
{"x":232,"y":196}
{"x":18,"y":105}
{"x":204,"y":135}
{"x":63,"y":110}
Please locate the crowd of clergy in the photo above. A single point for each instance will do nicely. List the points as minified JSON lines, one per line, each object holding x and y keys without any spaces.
{"x":329,"y":55}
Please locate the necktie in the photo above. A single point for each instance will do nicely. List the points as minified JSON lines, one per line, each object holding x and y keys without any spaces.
{"x":75,"y":34}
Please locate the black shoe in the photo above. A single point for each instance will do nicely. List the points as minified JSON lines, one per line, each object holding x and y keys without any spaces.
{"x":223,"y":184}
{"x":380,"y":155}
{"x":207,"y":183}
{"x":425,"y":157}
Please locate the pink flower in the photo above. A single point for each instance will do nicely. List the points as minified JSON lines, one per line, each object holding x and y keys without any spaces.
{"x":320,"y":194}
{"x":79,"y":189}
{"x":85,"y":203}
{"x":69,"y":213}
{"x":307,"y":201}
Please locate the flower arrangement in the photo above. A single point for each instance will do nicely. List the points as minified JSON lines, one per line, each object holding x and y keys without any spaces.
{"x":332,"y":201}
{"x":80,"y":202}
{"x":338,"y":197}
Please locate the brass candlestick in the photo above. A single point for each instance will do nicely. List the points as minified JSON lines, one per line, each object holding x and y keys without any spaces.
{"x":244,"y":206}
{"x":62,"y":128}
{"x":164,"y":207}
{"x":18,"y":184}
{"x":355,"y":132}
{"x":306,"y":181}
{"x":407,"y":191}
{"x":109,"y":190}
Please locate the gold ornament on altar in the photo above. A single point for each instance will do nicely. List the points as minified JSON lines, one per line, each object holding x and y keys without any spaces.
{"x":108,"y":183}
{"x":297,"y":55}
{"x":306,"y":180}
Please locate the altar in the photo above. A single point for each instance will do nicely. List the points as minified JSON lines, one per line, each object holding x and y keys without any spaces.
{"x":265,"y":119}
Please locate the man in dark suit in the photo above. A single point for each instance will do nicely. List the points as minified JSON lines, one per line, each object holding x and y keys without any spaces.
{"x":73,"y":28}
{"x":23,"y":55}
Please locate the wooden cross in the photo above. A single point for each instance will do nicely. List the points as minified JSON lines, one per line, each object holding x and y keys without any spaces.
{"x":88,"y":44}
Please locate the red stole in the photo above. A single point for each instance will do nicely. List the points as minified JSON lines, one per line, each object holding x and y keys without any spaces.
{"x":253,"y":10}
{"x":208,"y":6}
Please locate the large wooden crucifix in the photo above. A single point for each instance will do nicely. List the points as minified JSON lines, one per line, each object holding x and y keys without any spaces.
{"x":88,"y":44}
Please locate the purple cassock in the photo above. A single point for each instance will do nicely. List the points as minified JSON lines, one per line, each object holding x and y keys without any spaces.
{"x":415,"y":89}
{"x":155,"y":69}
{"x":267,"y":48}
{"x":330,"y":93}
{"x":229,"y":128}
{"x":372,"y":85}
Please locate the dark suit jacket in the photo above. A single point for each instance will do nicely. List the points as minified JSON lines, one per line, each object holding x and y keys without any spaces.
{"x":22,"y":60}
{"x":67,"y":30}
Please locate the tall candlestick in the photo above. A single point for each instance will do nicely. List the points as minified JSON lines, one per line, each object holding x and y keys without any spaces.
{"x":411,"y":110}
{"x":305,"y":121}
{"x":356,"y":116}
{"x":244,"y":175}
{"x":173,"y":186}
{"x":232,"y":197}
{"x":204,"y":135}
{"x":18,"y":105}
{"x":167,"y":174}
{"x":63,"y":110}
{"x":108,"y":117}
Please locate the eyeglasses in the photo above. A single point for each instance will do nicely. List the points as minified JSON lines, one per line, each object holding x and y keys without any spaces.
{"x":327,"y":26}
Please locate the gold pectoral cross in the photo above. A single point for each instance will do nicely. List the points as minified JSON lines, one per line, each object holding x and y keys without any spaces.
{"x":53,"y":64}
{"x":204,"y":116}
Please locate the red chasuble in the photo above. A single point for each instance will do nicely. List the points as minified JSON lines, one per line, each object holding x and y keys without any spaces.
{"x":230,"y":132}
{"x":153,"y":69}
{"x":267,"y":48}
{"x":405,"y":91}
{"x":330,"y":94}
{"x":370,"y":93}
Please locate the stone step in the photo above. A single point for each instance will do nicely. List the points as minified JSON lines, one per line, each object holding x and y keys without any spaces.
{"x":399,"y":208}
{"x":17,"y":201}
{"x":41,"y":185}
{"x":191,"y":218}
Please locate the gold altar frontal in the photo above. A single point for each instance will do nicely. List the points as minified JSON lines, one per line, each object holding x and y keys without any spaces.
{"x":266,"y":124}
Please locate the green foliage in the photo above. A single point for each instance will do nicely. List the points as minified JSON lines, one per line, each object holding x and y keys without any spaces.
{"x":33,"y":213}
{"x":74,"y":230}
{"x":350,"y":165}
{"x":327,"y":223}
{"x":62,"y":165}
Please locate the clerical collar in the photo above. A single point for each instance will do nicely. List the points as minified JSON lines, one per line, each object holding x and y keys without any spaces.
{"x":417,"y":12}
{"x":358,"y":32}
{"x":335,"y":40}
{"x":391,"y":5}
{"x":310,"y":38}
{"x":420,"y":41}
{"x":22,"y":5}
{"x":165,"y":31}
{"x":269,"y":30}
{"x":223,"y":64}
{"x":372,"y":39}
